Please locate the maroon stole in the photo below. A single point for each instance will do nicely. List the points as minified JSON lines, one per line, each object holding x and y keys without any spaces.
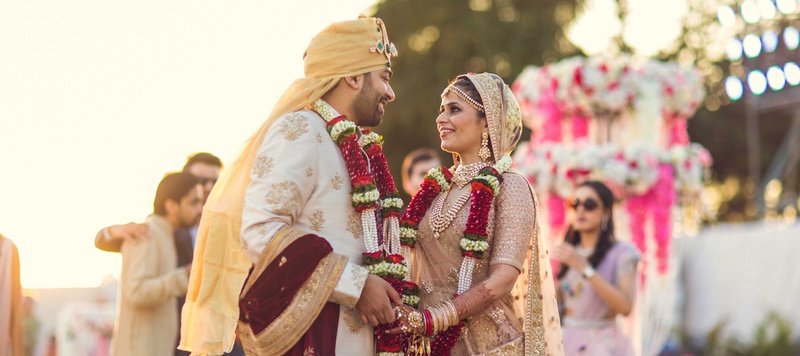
{"x":283,"y":306}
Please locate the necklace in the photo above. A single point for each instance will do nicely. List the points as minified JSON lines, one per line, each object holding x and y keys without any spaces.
{"x":585,"y":252}
{"x":465,"y":173}
{"x":439,"y":222}
{"x":485,"y":185}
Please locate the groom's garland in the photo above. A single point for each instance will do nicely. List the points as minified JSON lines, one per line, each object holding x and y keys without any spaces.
{"x":485,"y":187}
{"x":371,"y":192}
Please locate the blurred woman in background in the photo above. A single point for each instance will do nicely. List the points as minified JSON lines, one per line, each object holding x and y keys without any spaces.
{"x":597,"y":278}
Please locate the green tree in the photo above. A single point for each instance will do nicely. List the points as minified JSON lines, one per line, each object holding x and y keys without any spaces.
{"x":440,"y":39}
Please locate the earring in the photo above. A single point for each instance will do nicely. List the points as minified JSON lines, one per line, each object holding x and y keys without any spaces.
{"x":484,"y":152}
{"x":605,"y":223}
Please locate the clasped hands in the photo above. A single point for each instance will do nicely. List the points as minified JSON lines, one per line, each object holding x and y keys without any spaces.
{"x":375,"y":307}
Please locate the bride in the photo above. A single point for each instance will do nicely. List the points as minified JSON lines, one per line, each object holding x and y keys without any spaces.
{"x":479,"y":260}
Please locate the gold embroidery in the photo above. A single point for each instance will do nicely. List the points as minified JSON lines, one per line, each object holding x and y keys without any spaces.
{"x":337,"y":181}
{"x":515,"y":347}
{"x":283,"y":260}
{"x":354,"y":224}
{"x":293,"y":126}
{"x":498,"y":315}
{"x":359,"y":276}
{"x":262,"y":228}
{"x":319,"y":137}
{"x":309,"y":172}
{"x":298,"y":316}
{"x":309,"y":351}
{"x":317,"y":220}
{"x":283,"y":197}
{"x":452,"y":275}
{"x":534,"y":323}
{"x":426,"y":286}
{"x":353,"y":320}
{"x":263,"y":165}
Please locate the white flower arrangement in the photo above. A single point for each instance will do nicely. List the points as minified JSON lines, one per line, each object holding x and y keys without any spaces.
{"x":387,"y":268}
{"x":478,"y":246}
{"x":408,"y":233}
{"x":410,"y":299}
{"x":341,"y":127}
{"x":392,"y":203}
{"x":437,"y":174}
{"x":370,"y":138}
{"x":691,"y":164}
{"x":503,"y":164}
{"x":491,"y":181}
{"x":643,"y":164}
{"x":369,"y":197}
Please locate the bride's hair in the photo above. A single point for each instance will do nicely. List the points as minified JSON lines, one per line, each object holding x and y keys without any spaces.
{"x":606,"y":239}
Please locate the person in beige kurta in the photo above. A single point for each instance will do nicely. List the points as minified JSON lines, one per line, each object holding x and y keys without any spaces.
{"x":510,"y":307}
{"x":150,"y":282}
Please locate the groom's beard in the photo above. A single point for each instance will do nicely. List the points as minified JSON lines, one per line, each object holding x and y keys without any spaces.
{"x":366,"y":106}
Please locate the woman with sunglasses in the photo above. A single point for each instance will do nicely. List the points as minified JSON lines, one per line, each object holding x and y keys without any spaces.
{"x":597,"y":277}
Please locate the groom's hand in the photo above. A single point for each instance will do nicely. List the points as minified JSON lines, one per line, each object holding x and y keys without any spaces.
{"x":374,"y":304}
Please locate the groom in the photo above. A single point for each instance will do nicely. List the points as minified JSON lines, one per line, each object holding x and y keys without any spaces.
{"x":284,"y":207}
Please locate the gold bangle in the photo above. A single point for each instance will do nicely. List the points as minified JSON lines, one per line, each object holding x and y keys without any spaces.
{"x":434,"y":319}
{"x":453,"y":311}
{"x":448,"y":322}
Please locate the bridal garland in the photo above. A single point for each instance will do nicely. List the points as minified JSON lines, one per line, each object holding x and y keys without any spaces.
{"x":371,"y":191}
{"x":484,"y":188}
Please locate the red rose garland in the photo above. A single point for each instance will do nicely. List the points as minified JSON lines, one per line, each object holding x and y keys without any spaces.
{"x":485,"y":186}
{"x":370,"y":192}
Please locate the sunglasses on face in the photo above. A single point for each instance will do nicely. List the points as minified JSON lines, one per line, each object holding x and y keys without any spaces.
{"x":204,"y":181}
{"x":588,"y":205}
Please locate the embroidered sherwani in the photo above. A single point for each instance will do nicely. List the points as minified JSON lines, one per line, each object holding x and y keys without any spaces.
{"x":299,"y":180}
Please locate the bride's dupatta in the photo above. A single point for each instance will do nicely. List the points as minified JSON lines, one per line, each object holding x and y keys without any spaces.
{"x":526,"y":321}
{"x":536,"y":284}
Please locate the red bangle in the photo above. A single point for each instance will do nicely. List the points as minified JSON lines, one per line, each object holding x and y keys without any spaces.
{"x":428,"y":322}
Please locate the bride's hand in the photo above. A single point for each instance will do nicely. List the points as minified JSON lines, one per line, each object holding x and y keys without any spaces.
{"x":410,"y":321}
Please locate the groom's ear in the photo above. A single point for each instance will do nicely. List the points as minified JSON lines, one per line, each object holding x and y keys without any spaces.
{"x":354,"y":82}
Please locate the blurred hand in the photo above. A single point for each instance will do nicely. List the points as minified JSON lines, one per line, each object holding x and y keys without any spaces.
{"x":374,"y":305}
{"x":566,"y":254}
{"x":129,"y":231}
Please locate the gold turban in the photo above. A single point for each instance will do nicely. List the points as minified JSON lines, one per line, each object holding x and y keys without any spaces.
{"x":220,"y":266}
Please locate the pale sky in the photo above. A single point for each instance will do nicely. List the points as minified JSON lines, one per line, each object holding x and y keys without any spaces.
{"x":99,"y":99}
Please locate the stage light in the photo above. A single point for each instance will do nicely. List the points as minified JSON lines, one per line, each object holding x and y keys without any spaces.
{"x":749,"y":11}
{"x":770,"y":41}
{"x":787,"y":7}
{"x":727,"y":17}
{"x":791,"y":37}
{"x":734,"y":88}
{"x":766,"y":9}
{"x":752,"y":45}
{"x":734,"y":49}
{"x":757,"y":82}
{"x":792,"y":72}
{"x":775,"y":78}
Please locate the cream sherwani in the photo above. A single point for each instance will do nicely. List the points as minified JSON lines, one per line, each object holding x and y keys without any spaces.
{"x":147,"y":322}
{"x":300,"y":179}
